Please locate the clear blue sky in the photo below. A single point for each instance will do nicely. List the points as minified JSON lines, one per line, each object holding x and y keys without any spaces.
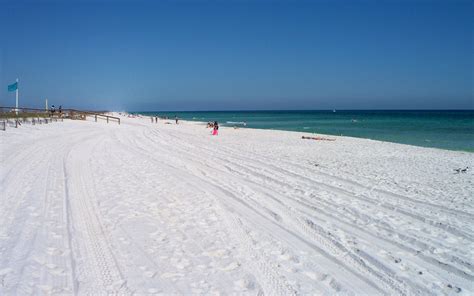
{"x":238,"y":55}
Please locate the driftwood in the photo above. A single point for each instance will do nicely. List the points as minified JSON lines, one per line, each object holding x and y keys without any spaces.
{"x":317,"y":138}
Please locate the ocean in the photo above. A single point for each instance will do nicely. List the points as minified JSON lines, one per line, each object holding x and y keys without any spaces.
{"x":453,"y":130}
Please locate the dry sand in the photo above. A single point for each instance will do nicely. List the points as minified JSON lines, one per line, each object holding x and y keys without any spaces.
{"x":95,"y":208}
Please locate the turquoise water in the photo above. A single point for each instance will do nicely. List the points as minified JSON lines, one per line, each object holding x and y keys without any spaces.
{"x":453,"y":130}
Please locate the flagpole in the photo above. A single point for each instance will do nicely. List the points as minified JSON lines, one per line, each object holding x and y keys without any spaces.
{"x":16,"y":97}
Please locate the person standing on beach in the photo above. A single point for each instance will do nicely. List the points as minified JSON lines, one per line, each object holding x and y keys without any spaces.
{"x":176,"y":119}
{"x":215,"y":131}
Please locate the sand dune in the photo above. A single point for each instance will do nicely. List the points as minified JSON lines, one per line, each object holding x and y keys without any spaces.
{"x":95,"y":208}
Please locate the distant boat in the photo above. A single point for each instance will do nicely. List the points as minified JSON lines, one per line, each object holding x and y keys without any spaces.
{"x":334,"y":110}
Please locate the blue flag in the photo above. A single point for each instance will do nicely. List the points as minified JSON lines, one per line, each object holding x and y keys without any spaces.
{"x":13,"y":87}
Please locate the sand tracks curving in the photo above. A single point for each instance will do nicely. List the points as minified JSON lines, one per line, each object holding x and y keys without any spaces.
{"x":149,"y":209}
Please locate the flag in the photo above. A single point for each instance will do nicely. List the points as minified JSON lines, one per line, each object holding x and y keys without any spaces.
{"x":13,"y":87}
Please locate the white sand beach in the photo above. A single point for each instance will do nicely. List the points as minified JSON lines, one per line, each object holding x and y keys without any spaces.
{"x":144,"y":208}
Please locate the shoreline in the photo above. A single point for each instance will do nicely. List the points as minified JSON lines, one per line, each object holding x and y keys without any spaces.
{"x":309,"y":133}
{"x":345,"y":124}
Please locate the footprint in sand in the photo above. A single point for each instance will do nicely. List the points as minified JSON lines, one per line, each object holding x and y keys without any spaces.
{"x":57,"y":271}
{"x":289,"y":257}
{"x":292,"y":269}
{"x":311,"y":275}
{"x":124,"y":241}
{"x":56,"y":236}
{"x":117,"y":285}
{"x":153,"y":291}
{"x":53,"y":251}
{"x":45,"y":288}
{"x":322,"y":277}
{"x":183,"y":263}
{"x":231,"y":266}
{"x":335,"y":285}
{"x":149,"y":274}
{"x":169,"y":275}
{"x":50,"y":266}
{"x":244,"y":285}
{"x":217,"y":253}
{"x":5,"y":271}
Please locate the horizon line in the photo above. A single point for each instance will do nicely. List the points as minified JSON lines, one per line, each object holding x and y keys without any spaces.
{"x":294,"y":110}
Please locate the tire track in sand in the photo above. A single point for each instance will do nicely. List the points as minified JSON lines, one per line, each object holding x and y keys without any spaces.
{"x":97,"y":269}
{"x":269,"y":278}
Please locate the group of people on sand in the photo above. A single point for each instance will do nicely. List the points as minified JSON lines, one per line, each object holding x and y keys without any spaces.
{"x":176,"y":119}
{"x":52,"y":111}
{"x":215,"y":127}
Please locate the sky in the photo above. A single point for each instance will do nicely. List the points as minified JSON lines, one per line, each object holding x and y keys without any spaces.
{"x":238,"y":55}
